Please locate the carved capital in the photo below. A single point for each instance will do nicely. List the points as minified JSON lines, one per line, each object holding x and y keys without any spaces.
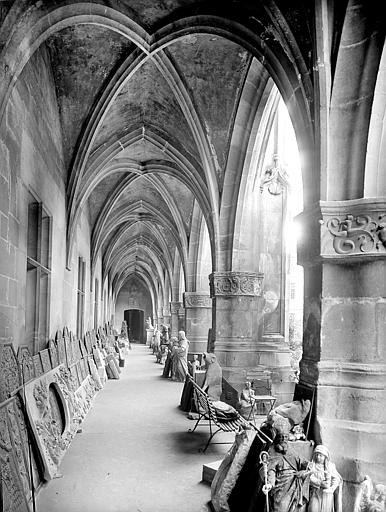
{"x":235,"y":283}
{"x":197,"y":300}
{"x":342,"y":230}
{"x":175,"y":307}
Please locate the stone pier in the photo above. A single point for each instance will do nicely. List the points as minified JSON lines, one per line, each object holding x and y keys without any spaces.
{"x":198,"y":320}
{"x":344,"y":352}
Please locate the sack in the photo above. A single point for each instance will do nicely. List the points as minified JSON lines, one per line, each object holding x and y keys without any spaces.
{"x":225,"y":412}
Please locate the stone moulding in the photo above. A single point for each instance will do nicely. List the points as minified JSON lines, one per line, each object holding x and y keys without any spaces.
{"x":235,"y":283}
{"x":197,"y":300}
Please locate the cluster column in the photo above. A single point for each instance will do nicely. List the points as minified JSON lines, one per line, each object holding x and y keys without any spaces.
{"x":236,"y":313}
{"x":198,"y":320}
{"x":344,"y":352}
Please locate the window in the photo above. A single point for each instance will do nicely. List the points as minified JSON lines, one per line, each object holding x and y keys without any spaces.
{"x":80,"y":298}
{"x":38,"y":276}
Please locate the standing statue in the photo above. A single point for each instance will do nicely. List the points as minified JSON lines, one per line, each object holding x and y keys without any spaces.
{"x":324,"y":480}
{"x":168,"y":368}
{"x":124,"y":333}
{"x":180,"y":358}
{"x":213,"y":378}
{"x":284,"y":474}
{"x":247,"y":400}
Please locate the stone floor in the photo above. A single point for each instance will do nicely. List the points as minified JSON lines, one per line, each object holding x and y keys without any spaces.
{"x":135,"y":453}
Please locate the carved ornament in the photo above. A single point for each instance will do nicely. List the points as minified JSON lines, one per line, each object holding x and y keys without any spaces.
{"x":275,"y":178}
{"x":235,"y":283}
{"x":175,"y":307}
{"x":197,"y":300}
{"x":10,"y":379}
{"x":26,"y":363}
{"x":358,"y":234}
{"x":342,"y":230}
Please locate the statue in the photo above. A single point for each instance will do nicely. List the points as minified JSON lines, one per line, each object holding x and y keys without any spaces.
{"x":194,"y":365}
{"x":173,"y":342}
{"x":285,"y":478}
{"x":371,"y":498}
{"x":180,"y":358}
{"x":148,"y":323}
{"x":247,"y":400}
{"x":213,"y":378}
{"x":285,"y":417}
{"x":324,"y":480}
{"x":156,"y":340}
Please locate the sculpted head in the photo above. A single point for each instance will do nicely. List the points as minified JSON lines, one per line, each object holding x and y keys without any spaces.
{"x":281,"y":443}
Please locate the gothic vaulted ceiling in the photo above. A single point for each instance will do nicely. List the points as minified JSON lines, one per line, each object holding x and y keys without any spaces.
{"x":148,"y":93}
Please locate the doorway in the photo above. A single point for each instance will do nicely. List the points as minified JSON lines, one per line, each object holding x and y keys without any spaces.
{"x":135,"y":319}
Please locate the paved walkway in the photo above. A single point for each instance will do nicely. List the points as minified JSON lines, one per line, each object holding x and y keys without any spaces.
{"x":135,"y":453}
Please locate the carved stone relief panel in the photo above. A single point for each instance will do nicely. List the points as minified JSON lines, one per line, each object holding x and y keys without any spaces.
{"x":10,"y":378}
{"x":61,"y":351}
{"x":55,"y":409}
{"x":26,"y":364}
{"x":45,"y":360}
{"x":12,"y":492}
{"x":53,"y":351}
{"x":75,"y":373}
{"x":75,"y":348}
{"x":25,"y":436}
{"x":68,"y":348}
{"x":38,"y":365}
{"x":21,"y":457}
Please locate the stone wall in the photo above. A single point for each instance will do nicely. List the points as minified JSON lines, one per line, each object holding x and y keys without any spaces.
{"x":32,"y":162}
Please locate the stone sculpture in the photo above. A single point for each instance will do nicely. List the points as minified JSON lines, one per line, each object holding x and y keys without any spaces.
{"x":213,"y":378}
{"x":285,"y":478}
{"x":371,"y":498}
{"x":180,"y":358}
{"x":247,"y":400}
{"x":324,"y":482}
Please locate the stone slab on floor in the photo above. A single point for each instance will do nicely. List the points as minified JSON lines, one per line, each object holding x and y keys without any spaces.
{"x":209,"y":470}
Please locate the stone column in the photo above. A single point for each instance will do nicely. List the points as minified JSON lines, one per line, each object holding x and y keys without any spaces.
{"x":181,"y":319}
{"x":160,"y":318}
{"x":166,"y":316}
{"x":344,"y":352}
{"x":198,"y":320}
{"x":236,"y":313}
{"x":174,"y":309}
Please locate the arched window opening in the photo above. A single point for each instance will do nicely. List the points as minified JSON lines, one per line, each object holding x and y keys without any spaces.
{"x":281,"y":200}
{"x":204,"y":263}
